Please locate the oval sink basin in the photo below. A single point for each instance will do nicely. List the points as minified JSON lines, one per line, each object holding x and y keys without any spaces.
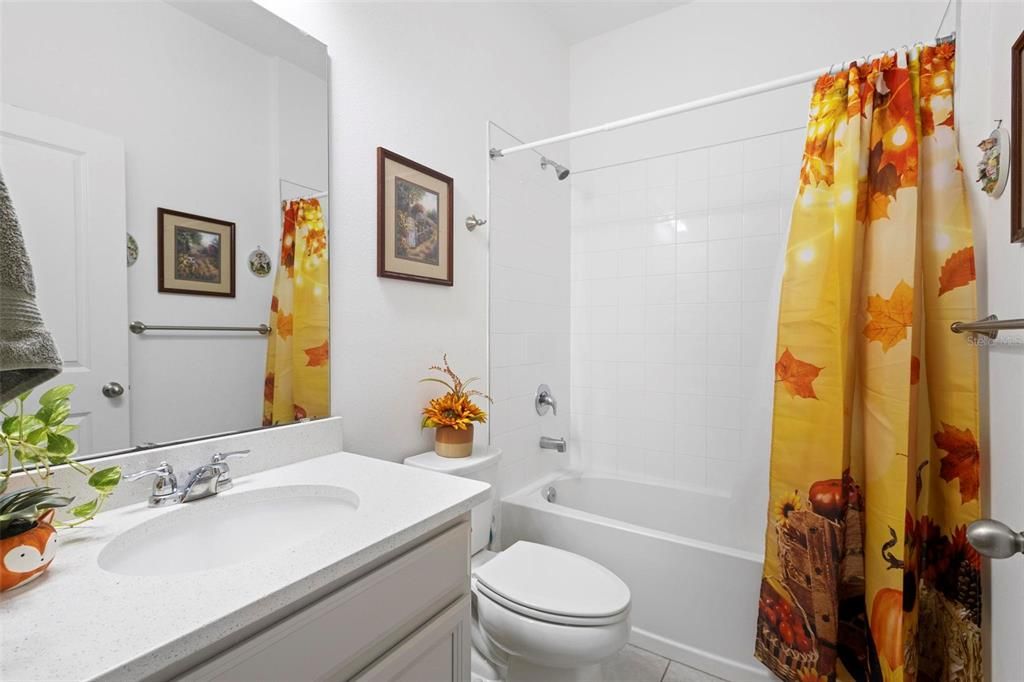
{"x":220,"y":531}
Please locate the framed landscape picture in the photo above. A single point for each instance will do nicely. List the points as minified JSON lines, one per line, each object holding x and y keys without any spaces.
{"x":196,"y":255}
{"x":414,"y":221}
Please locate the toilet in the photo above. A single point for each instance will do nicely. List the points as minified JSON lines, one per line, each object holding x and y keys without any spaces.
{"x":540,"y":614}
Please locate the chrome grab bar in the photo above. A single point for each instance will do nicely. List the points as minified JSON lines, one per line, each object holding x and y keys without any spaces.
{"x":990,"y":326}
{"x":137,"y":327}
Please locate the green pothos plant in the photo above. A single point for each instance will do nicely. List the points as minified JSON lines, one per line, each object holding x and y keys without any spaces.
{"x":38,"y":442}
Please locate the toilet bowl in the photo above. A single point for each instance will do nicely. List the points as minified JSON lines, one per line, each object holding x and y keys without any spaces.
{"x":539,"y":613}
{"x":547,"y":614}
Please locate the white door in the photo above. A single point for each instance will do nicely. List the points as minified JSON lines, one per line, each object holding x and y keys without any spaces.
{"x":67,"y":185}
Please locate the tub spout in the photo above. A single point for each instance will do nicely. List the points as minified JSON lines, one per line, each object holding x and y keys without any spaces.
{"x":548,"y":443}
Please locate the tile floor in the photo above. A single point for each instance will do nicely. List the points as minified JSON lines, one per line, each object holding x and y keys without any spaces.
{"x":634,"y":664}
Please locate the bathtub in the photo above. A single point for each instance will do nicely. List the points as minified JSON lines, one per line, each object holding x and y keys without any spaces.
{"x":694,"y":598}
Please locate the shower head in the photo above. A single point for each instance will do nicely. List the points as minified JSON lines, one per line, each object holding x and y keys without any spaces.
{"x":561,"y":171}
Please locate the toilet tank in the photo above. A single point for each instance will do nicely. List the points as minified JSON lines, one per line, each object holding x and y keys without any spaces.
{"x":482,"y":465}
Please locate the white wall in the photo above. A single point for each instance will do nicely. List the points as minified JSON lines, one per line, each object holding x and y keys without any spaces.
{"x":420,"y":79}
{"x":529,"y":327}
{"x":705,"y":48}
{"x":983,"y":81}
{"x":197,"y":112}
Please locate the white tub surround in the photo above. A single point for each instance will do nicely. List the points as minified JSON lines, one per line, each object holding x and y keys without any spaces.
{"x":80,"y":621}
{"x":673,"y":548}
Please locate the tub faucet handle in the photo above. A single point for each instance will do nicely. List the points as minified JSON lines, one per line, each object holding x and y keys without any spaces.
{"x":544,"y":400}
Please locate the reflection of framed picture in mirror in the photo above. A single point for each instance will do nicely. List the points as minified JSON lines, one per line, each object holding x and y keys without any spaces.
{"x":414,"y":221}
{"x":196,"y":254}
{"x":1016,"y":142}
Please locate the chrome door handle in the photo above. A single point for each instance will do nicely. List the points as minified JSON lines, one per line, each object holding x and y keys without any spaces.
{"x":995,"y":539}
{"x":113,"y":390}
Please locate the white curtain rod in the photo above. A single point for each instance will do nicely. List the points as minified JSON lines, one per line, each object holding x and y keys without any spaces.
{"x":702,"y":103}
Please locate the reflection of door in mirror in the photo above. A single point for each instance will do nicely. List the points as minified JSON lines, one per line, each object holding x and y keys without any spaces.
{"x":114,"y":110}
{"x":67,"y":186}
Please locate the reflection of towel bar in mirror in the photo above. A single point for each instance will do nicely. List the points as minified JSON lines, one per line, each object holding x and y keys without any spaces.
{"x":137,"y":327}
{"x":989,"y":326}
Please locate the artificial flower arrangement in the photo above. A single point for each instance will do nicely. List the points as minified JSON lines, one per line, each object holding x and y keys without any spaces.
{"x":452,"y":415}
{"x":37,"y":443}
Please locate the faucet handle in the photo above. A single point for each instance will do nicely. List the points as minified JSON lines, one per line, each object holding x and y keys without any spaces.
{"x":164,"y":469}
{"x":220,"y":461}
{"x":545,"y":400}
{"x":165,"y":485}
{"x":221,"y":457}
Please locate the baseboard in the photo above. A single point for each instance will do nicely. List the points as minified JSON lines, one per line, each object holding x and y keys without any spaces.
{"x":695,"y":658}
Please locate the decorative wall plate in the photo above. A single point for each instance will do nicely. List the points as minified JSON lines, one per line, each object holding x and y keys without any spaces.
{"x":133,"y":251}
{"x":993,"y":169}
{"x":259,"y":262}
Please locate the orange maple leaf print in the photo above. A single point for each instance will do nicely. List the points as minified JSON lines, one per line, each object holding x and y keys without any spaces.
{"x":284,"y":325}
{"x":962,"y":460}
{"x":318,"y":355}
{"x":797,"y":376}
{"x":891,"y":316}
{"x":957,"y":271}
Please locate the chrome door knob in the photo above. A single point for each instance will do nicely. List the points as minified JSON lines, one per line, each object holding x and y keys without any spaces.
{"x":995,"y":539}
{"x":113,"y":390}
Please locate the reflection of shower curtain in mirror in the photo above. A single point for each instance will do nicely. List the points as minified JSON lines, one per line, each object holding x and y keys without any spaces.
{"x":297,"y":383}
{"x":875,"y":461}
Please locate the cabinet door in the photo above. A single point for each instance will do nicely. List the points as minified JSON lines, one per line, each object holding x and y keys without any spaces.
{"x":342,"y":633}
{"x":437,"y":652}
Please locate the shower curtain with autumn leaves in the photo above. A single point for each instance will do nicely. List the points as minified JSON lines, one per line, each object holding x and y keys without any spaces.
{"x":296,"y":384}
{"x":875,"y":468}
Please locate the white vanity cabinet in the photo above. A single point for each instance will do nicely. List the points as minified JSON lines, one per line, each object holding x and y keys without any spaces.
{"x":408,"y":619}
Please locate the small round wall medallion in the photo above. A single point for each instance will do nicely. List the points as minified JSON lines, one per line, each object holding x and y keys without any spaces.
{"x":133,"y":251}
{"x":259,"y":262}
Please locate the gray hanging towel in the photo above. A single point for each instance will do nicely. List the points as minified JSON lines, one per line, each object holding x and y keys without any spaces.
{"x":28,"y":355}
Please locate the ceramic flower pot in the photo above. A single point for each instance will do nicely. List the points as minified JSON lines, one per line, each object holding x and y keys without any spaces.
{"x":452,"y":442}
{"x":27,"y":555}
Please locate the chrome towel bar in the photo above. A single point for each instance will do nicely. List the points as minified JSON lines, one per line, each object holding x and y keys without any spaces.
{"x":990,"y":326}
{"x":137,"y":327}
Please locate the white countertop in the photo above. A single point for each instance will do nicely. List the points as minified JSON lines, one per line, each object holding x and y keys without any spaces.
{"x":80,"y":622}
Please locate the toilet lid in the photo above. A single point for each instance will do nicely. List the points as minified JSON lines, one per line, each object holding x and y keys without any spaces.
{"x":554,"y":582}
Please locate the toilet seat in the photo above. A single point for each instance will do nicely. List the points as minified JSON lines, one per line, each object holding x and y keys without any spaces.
{"x":553,"y":586}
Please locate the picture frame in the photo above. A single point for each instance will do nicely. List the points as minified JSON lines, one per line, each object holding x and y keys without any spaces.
{"x":1016,"y":141}
{"x":415,"y":229}
{"x":195,"y":254}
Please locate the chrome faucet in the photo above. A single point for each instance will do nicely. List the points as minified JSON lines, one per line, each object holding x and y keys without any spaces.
{"x":548,"y":443}
{"x":203,"y":481}
{"x":544,"y":400}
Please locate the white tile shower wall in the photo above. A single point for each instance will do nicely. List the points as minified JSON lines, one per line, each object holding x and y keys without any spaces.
{"x":529,"y":314}
{"x":673,"y":262}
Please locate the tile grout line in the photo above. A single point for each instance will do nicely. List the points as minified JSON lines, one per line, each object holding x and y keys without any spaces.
{"x":664,"y":673}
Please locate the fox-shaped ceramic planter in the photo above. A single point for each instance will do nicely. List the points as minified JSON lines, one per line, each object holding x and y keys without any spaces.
{"x":26,"y":556}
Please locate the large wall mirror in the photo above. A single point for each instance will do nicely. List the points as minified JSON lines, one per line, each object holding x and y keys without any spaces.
{"x":153,"y":152}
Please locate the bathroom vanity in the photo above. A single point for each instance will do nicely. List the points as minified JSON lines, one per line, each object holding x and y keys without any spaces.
{"x":406,"y":620}
{"x":373,"y":585}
